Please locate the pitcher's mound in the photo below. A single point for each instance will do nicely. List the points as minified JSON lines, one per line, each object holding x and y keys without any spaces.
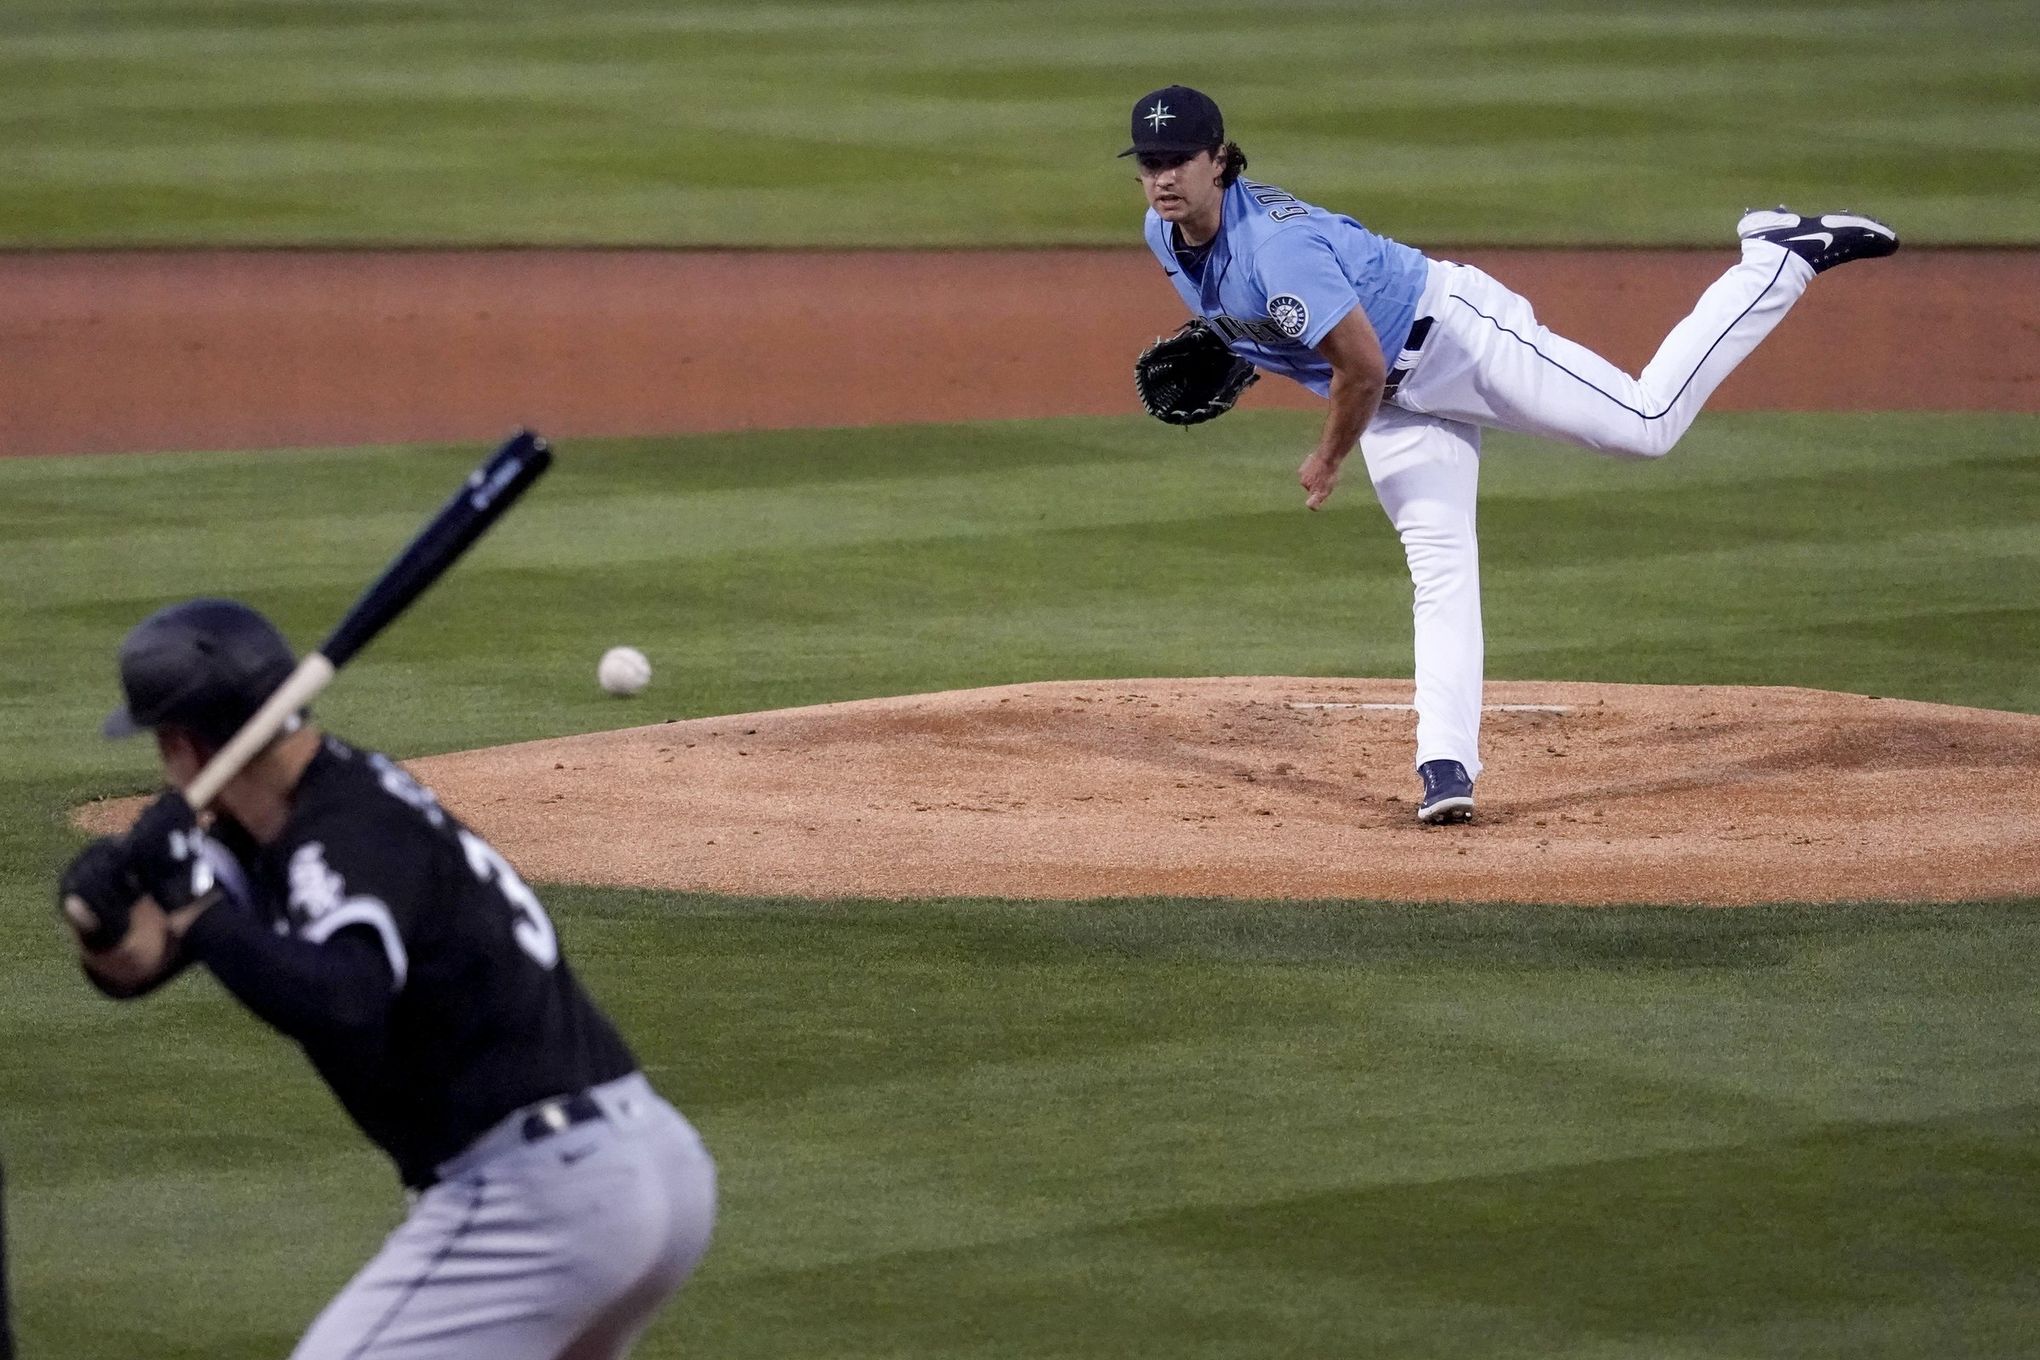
{"x":1290,"y":788}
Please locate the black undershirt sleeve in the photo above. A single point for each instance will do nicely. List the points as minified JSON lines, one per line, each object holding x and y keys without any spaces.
{"x":337,"y":990}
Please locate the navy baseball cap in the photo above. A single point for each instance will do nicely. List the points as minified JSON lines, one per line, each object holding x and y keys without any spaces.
{"x":1175,"y":119}
{"x":203,"y":664}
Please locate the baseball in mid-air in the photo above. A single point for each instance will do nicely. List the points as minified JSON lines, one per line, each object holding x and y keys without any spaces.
{"x":623,"y":670}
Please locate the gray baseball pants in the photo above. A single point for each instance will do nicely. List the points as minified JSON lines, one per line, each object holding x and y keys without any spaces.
{"x":557,"y":1249}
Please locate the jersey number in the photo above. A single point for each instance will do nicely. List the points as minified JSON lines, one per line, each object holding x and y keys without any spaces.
{"x":1265,"y":194}
{"x":533,"y":929}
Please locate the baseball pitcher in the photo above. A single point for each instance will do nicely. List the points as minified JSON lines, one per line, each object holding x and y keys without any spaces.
{"x":1415,"y":357}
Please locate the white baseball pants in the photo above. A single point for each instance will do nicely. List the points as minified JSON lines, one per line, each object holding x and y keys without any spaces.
{"x":1488,"y":362}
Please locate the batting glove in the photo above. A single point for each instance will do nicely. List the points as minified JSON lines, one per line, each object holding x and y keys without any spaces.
{"x":97,"y":894}
{"x":167,"y":851}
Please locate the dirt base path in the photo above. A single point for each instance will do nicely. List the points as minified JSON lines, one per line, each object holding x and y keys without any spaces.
{"x":139,"y":351}
{"x":1278,"y":788}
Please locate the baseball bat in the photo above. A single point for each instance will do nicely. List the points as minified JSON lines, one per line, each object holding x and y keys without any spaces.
{"x":489,"y":491}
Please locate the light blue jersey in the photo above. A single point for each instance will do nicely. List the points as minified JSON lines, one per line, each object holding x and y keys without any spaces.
{"x":1281,"y":273}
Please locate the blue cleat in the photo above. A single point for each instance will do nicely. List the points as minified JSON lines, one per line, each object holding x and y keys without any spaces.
{"x":1448,"y":793}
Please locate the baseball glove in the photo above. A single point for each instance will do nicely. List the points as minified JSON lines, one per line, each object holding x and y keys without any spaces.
{"x":1191,"y":377}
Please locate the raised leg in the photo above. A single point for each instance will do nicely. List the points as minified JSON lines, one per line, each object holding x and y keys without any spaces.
{"x":1495,"y":364}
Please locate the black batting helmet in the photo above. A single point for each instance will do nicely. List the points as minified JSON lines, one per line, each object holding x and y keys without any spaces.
{"x":204,"y":665}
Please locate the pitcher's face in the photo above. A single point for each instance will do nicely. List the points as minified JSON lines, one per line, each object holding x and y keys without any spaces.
{"x":1180,"y":186}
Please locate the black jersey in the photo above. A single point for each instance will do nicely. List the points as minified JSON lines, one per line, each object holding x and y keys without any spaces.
{"x":375,"y":883}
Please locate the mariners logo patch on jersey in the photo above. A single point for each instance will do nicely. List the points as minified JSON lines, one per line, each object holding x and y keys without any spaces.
{"x":1289,"y":314}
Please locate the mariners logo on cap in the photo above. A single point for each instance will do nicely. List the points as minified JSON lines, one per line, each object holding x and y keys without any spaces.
{"x":1175,"y":119}
{"x":1289,"y":314}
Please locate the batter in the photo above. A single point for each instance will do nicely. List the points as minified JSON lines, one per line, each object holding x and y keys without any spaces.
{"x":557,"y":1200}
{"x":1417,"y":355}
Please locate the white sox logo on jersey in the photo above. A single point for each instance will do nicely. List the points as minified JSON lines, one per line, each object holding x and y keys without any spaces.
{"x":315,"y":890}
{"x":321,"y":904}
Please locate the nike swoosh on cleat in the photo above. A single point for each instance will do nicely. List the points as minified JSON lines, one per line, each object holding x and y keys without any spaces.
{"x":1826,"y":238}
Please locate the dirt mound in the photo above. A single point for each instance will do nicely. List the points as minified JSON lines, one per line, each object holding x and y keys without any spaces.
{"x":1285,"y":788}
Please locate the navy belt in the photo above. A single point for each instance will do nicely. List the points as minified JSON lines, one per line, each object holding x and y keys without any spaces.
{"x":537,"y":1123}
{"x":1420,"y":329}
{"x":556,"y":1116}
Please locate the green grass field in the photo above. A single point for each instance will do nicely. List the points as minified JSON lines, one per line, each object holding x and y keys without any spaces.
{"x":1100,"y":1130}
{"x":970,"y":122}
{"x":1117,"y":1129}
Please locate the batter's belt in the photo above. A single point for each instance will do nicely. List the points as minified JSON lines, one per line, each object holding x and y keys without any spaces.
{"x":614,"y":1101}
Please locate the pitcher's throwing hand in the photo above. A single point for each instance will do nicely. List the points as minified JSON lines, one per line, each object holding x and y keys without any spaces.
{"x":1320,"y":477}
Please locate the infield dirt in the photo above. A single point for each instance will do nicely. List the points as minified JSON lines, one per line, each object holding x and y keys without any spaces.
{"x":145,"y":351}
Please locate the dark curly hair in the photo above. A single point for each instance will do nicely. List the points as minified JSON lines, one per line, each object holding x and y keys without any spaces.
{"x":1234,"y":160}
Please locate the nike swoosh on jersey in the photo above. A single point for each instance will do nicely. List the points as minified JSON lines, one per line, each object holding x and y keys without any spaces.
{"x":1826,"y":238}
{"x":1170,"y":272}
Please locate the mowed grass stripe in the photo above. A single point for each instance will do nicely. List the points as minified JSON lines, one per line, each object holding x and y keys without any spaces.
{"x":1493,"y":1128}
{"x":1468,"y":1267}
{"x":956,"y":122}
{"x":973,"y":1129}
